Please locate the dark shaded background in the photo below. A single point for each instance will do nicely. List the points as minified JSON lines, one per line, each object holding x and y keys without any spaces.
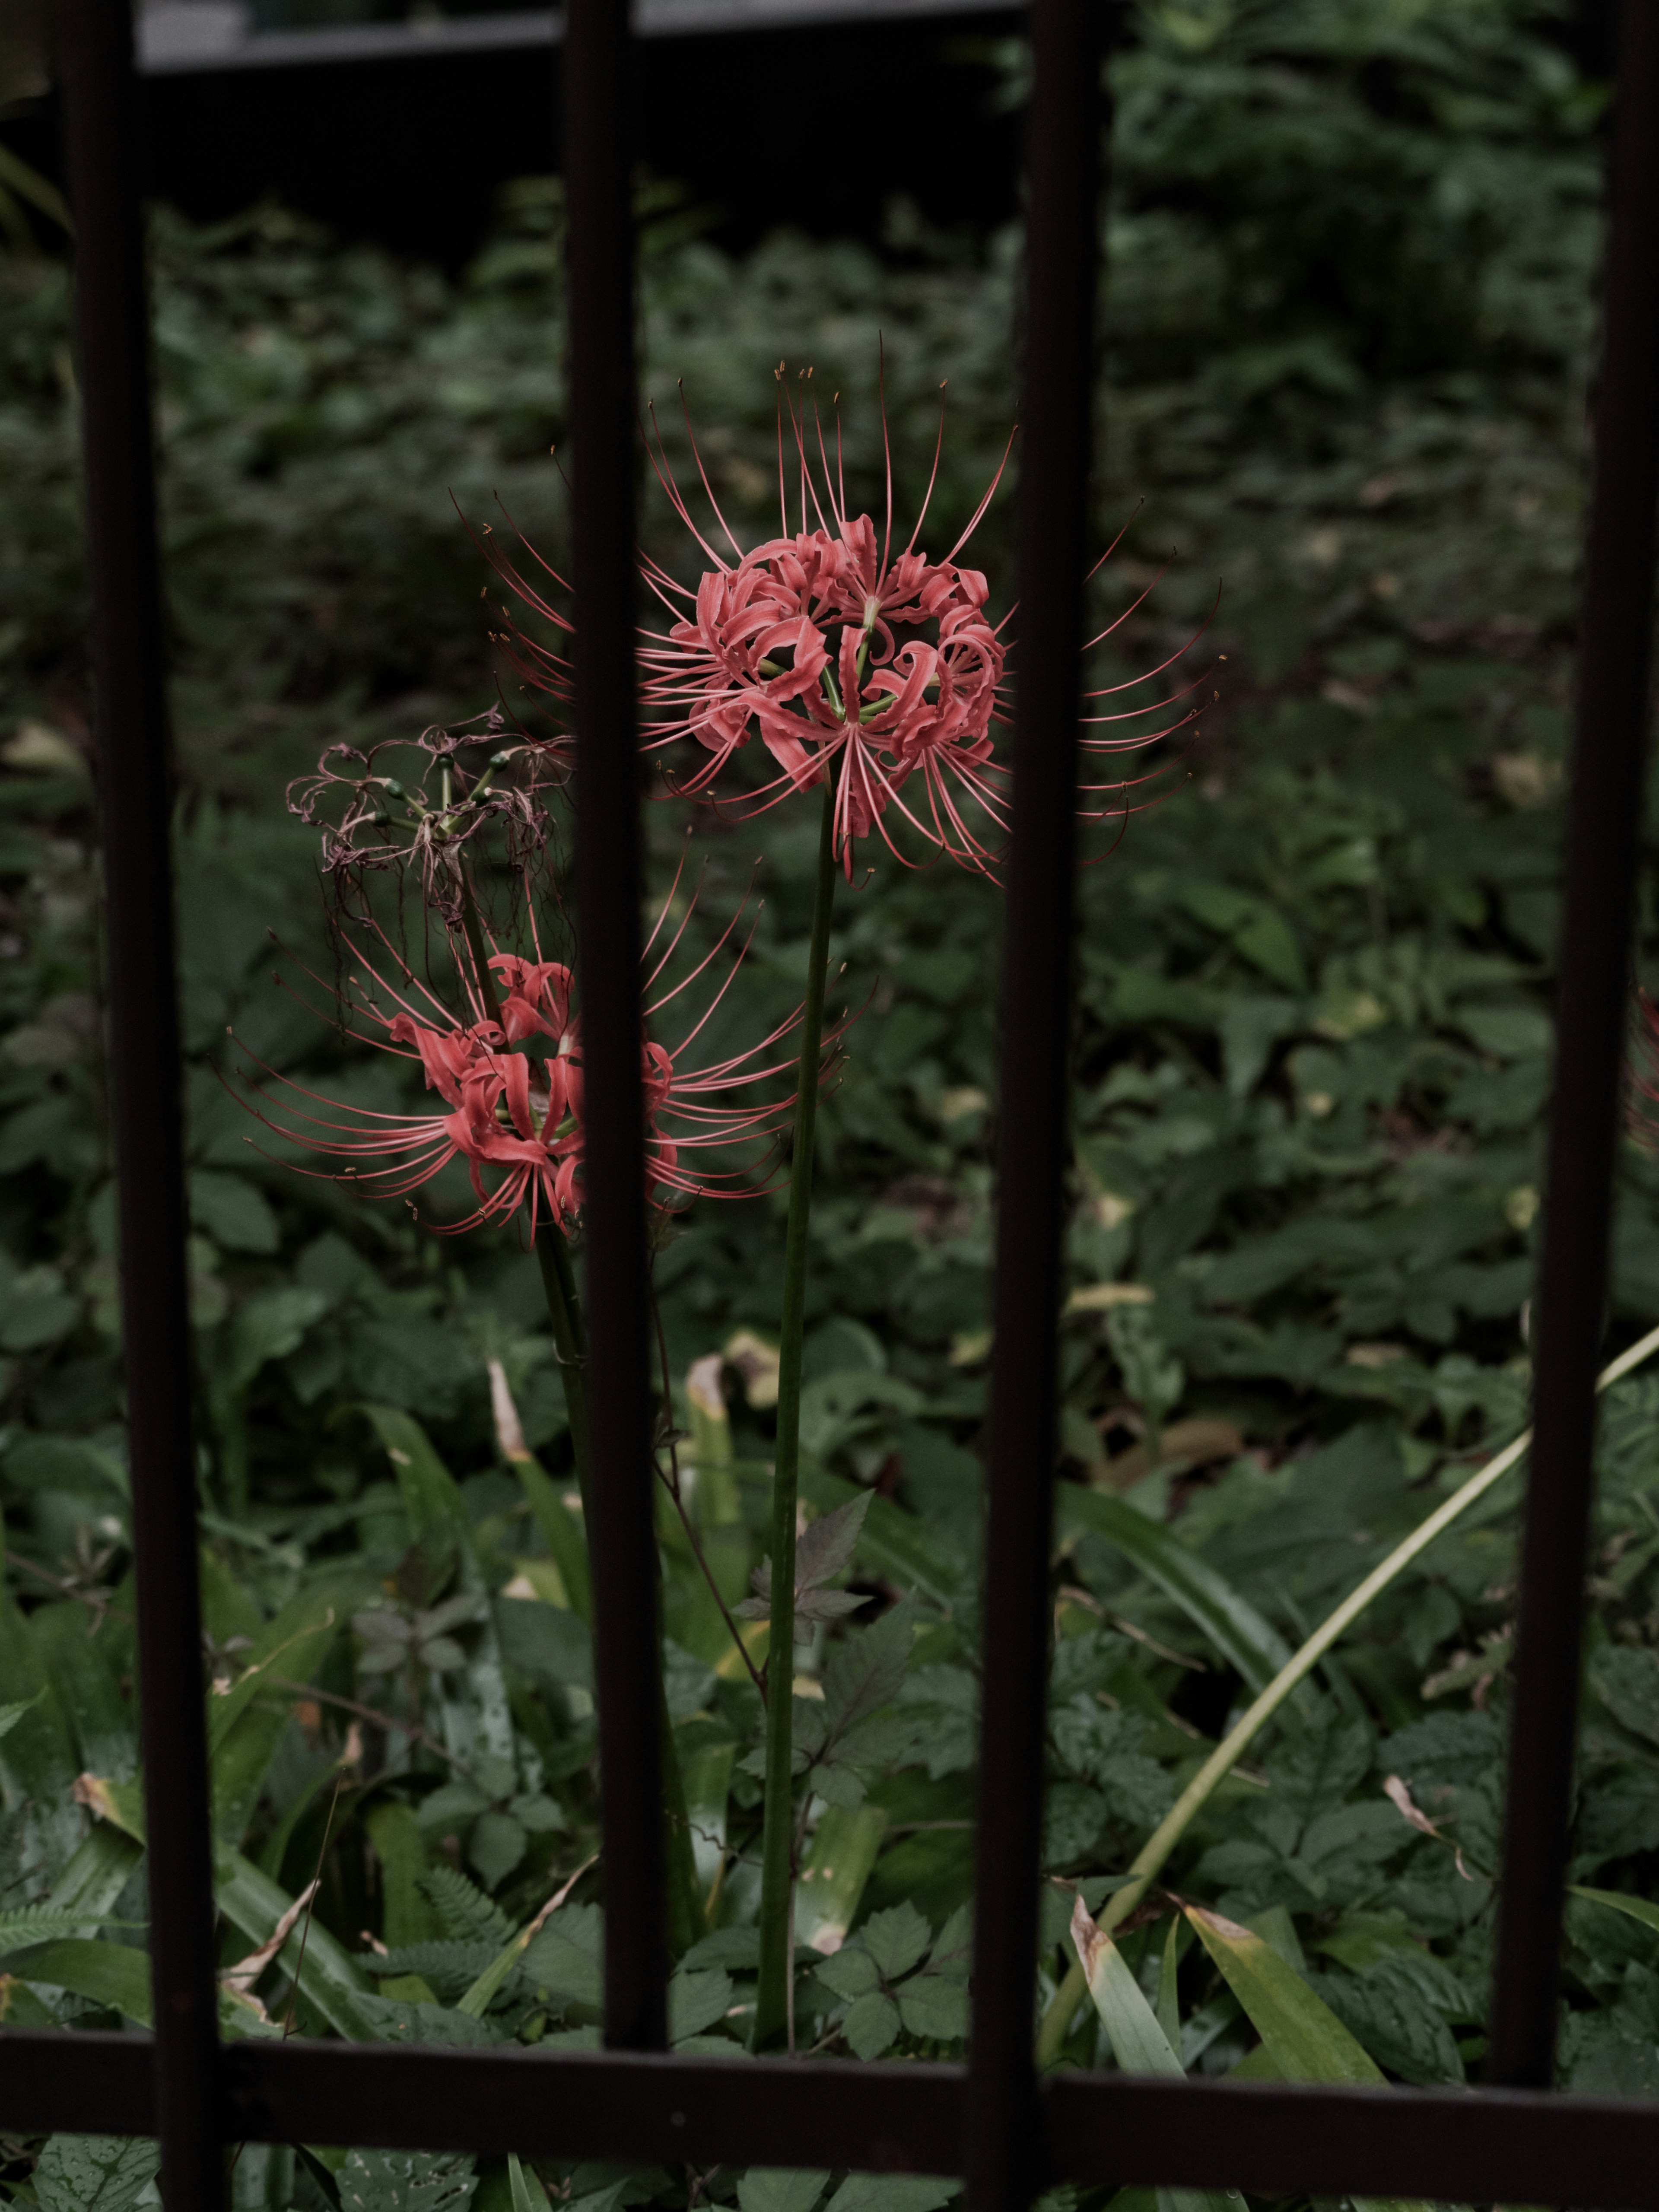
{"x":817,"y":129}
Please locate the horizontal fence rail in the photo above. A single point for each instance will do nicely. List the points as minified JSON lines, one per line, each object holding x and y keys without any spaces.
{"x":1512,"y":2145}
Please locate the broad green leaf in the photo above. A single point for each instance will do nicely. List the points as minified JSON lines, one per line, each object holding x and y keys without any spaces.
{"x":406,"y":2181}
{"x":119,"y":1803}
{"x":850,"y":1972}
{"x":1638,"y":1907}
{"x":234,"y":1211}
{"x":707,"y":1789}
{"x":1139,"y":2043}
{"x":1233,"y":1625}
{"x":330,"y":1978}
{"x":478,"y":1998}
{"x":892,"y":2192}
{"x":117,"y":1976}
{"x":1169,"y":2006}
{"x":696,"y":1999}
{"x":565,"y":1958}
{"x":431,"y":1497}
{"x":780,"y":2189}
{"x":1307,"y":2041}
{"x":838,"y":1864}
{"x":103,"y":1724}
{"x":565,"y":1538}
{"x":934,"y":2006}
{"x":99,"y":1872}
{"x":407,"y":1914}
{"x":871,"y":2025}
{"x":896,"y":1939}
{"x":300,"y":1633}
{"x":9,"y":1716}
{"x":94,"y":2173}
{"x":246,"y":1727}
{"x":716,"y":1499}
{"x":112,"y":1974}
{"x":1302,"y":2035}
{"x":528,"y":2195}
{"x":268,"y":1327}
{"x":433,"y":1501}
{"x":36,"y":1750}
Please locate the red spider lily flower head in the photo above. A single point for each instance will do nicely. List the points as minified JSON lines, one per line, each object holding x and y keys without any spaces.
{"x":876,"y":669}
{"x":506,"y":1070}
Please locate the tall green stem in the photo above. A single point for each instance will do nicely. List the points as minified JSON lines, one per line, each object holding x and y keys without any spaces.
{"x":564,"y":1311}
{"x":777,"y":1832}
{"x":1148,"y":1860}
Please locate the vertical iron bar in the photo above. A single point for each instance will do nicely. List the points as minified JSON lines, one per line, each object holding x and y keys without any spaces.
{"x":1063,"y":159}
{"x":135,"y":787}
{"x":600,"y":249}
{"x":1591,"y":1015}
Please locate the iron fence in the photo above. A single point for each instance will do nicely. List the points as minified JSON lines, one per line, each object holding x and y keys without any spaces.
{"x":993,"y":2120}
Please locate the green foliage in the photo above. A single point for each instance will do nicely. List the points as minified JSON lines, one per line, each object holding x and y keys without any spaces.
{"x":405,"y":2181}
{"x":94,"y":2173}
{"x":1312,"y":1062}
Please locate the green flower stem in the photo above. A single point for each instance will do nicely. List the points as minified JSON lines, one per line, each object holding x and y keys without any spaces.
{"x":1148,"y":1860}
{"x":685,"y":1913}
{"x":777,"y":1832}
{"x":564,"y":1311}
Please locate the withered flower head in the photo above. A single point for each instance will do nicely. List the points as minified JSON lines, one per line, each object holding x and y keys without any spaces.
{"x":421,"y":801}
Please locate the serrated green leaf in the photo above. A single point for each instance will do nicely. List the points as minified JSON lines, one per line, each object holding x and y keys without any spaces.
{"x":696,"y":1999}
{"x":871,"y":2025}
{"x":850,"y":1972}
{"x":933,"y":2006}
{"x":896,"y":1939}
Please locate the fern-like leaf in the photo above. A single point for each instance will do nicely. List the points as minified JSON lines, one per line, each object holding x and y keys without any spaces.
{"x":465,"y":1911}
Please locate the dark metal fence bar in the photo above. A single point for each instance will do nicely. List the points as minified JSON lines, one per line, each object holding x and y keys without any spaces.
{"x":135,"y":790}
{"x":1591,"y":1017}
{"x":1063,"y":141}
{"x":1512,"y":2146}
{"x":600,"y":249}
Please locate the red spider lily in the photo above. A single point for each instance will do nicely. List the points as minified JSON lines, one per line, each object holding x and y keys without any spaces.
{"x":879,"y":670}
{"x":509,"y":1076}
